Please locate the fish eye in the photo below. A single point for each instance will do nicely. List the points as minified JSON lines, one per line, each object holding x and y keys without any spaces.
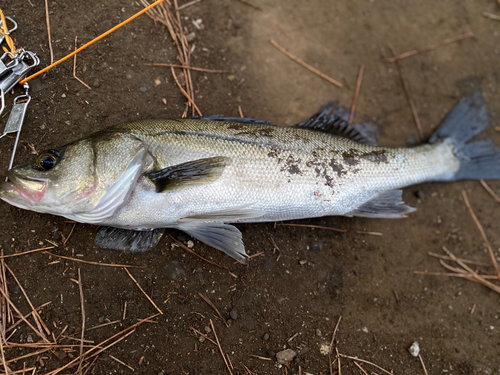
{"x":46,"y":161}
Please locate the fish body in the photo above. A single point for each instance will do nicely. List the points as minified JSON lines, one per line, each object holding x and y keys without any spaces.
{"x":200,"y":175}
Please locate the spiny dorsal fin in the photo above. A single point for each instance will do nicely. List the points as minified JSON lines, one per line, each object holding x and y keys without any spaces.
{"x":333,"y":119}
{"x":127,"y":240}
{"x":192,"y":173}
{"x":386,"y":205}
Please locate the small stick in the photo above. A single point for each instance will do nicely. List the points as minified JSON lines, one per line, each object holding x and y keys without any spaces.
{"x":207,"y":300}
{"x":75,"y":77}
{"x":143,"y":292}
{"x":356,"y":92}
{"x":124,"y":311}
{"x":2,"y":338}
{"x":80,"y":287}
{"x":26,"y":252}
{"x":187,"y":67}
{"x":422,"y":362}
{"x":203,"y":335}
{"x":259,"y":357}
{"x":483,"y":234}
{"x":330,"y":228}
{"x":48,"y":31}
{"x":293,"y":337}
{"x":473,"y":309}
{"x":455,"y":274}
{"x":430,"y":47}
{"x":240,"y":111}
{"x":188,"y":4}
{"x":361,"y":368}
{"x":220,"y":347}
{"x":490,"y":190}
{"x":185,"y":93}
{"x":121,"y":363}
{"x":338,"y":359}
{"x":305,"y":65}
{"x":444,"y":257}
{"x":275,"y":248}
{"x":94,"y":263}
{"x":365,"y":361}
{"x":38,"y":320}
{"x":98,"y":326}
{"x":408,"y":97}
{"x":331,"y":345}
{"x":72,"y":229}
{"x":491,"y":16}
{"x":181,"y":245}
{"x":41,"y":335}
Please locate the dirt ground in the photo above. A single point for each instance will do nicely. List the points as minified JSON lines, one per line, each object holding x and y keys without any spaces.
{"x":271,"y":304}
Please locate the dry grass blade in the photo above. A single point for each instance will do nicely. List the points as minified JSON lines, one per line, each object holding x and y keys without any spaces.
{"x":188,"y":4}
{"x":356,"y":93}
{"x":87,"y":86}
{"x":423,"y":365}
{"x":491,"y":16}
{"x":121,"y":363}
{"x":143,"y":292}
{"x":220,"y":348}
{"x":430,"y":47}
{"x":259,"y":357}
{"x":48,"y":31}
{"x":188,"y":67}
{"x":38,"y":320}
{"x":94,"y":263}
{"x":490,"y":190}
{"x":466,"y":261}
{"x":365,"y":361}
{"x":361,"y":368}
{"x":207,"y":300}
{"x":203,"y":335}
{"x":483,"y":234}
{"x":82,"y":305}
{"x":27,"y":252}
{"x":330,"y":228}
{"x":185,"y":93}
{"x":408,"y":97}
{"x":184,"y":247}
{"x":305,"y":65}
{"x":454,"y":274}
{"x":331,"y":346}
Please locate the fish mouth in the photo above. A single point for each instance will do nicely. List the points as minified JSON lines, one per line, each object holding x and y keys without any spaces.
{"x":28,"y":189}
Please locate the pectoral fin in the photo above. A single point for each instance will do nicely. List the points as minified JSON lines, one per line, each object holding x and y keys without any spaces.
{"x":223,"y":237}
{"x":192,"y":173}
{"x":127,"y":240}
{"x":387,"y":205}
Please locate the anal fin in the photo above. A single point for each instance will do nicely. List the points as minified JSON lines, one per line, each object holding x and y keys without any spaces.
{"x":127,"y":240}
{"x":387,"y":205}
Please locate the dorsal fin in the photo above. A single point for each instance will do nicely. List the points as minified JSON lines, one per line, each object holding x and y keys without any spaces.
{"x":333,"y":119}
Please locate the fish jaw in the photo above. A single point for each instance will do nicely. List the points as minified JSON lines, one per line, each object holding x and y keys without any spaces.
{"x":21,"y":192}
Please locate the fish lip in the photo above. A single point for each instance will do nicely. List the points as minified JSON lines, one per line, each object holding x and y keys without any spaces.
{"x":16,"y":186}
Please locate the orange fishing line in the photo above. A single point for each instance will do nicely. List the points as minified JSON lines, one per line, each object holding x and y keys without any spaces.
{"x":91,"y":42}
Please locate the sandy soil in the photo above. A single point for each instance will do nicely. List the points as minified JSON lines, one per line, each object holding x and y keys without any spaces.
{"x":321,"y":275}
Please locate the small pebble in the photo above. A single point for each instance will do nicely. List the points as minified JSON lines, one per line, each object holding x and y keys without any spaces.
{"x":414,"y":349}
{"x":233,"y":314}
{"x":318,"y":332}
{"x":190,"y":37}
{"x":230,"y":77}
{"x":208,"y":329}
{"x":143,"y":89}
{"x":101,"y":319}
{"x":285,"y":356}
{"x":266,"y":337}
{"x":419,"y":193}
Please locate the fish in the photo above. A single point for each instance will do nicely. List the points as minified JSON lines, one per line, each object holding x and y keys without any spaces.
{"x":201,"y":175}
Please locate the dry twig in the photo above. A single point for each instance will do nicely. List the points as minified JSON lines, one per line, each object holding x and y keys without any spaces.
{"x":207,"y":300}
{"x":80,"y":287}
{"x":430,"y":47}
{"x":48,"y":31}
{"x":330,"y":228}
{"x":188,"y":67}
{"x":408,"y":97}
{"x":94,"y":263}
{"x":305,"y":65}
{"x":79,"y":80}
{"x":184,"y":247}
{"x":143,"y":292}
{"x":121,"y":363}
{"x":220,"y":348}
{"x":490,"y":190}
{"x":491,"y":16}
{"x":356,"y":93}
{"x":422,"y":362}
{"x":365,"y":361}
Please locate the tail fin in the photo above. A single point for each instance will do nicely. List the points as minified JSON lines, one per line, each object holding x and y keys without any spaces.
{"x":478,"y":160}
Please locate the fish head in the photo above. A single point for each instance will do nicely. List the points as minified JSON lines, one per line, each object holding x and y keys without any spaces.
{"x":53,"y":181}
{"x":85,"y":181}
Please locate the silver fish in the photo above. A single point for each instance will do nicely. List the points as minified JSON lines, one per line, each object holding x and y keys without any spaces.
{"x":200,"y":175}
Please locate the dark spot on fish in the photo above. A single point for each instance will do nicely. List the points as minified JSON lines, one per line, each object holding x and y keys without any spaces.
{"x":337,"y":168}
{"x":378,"y":156}
{"x":292,"y":165}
